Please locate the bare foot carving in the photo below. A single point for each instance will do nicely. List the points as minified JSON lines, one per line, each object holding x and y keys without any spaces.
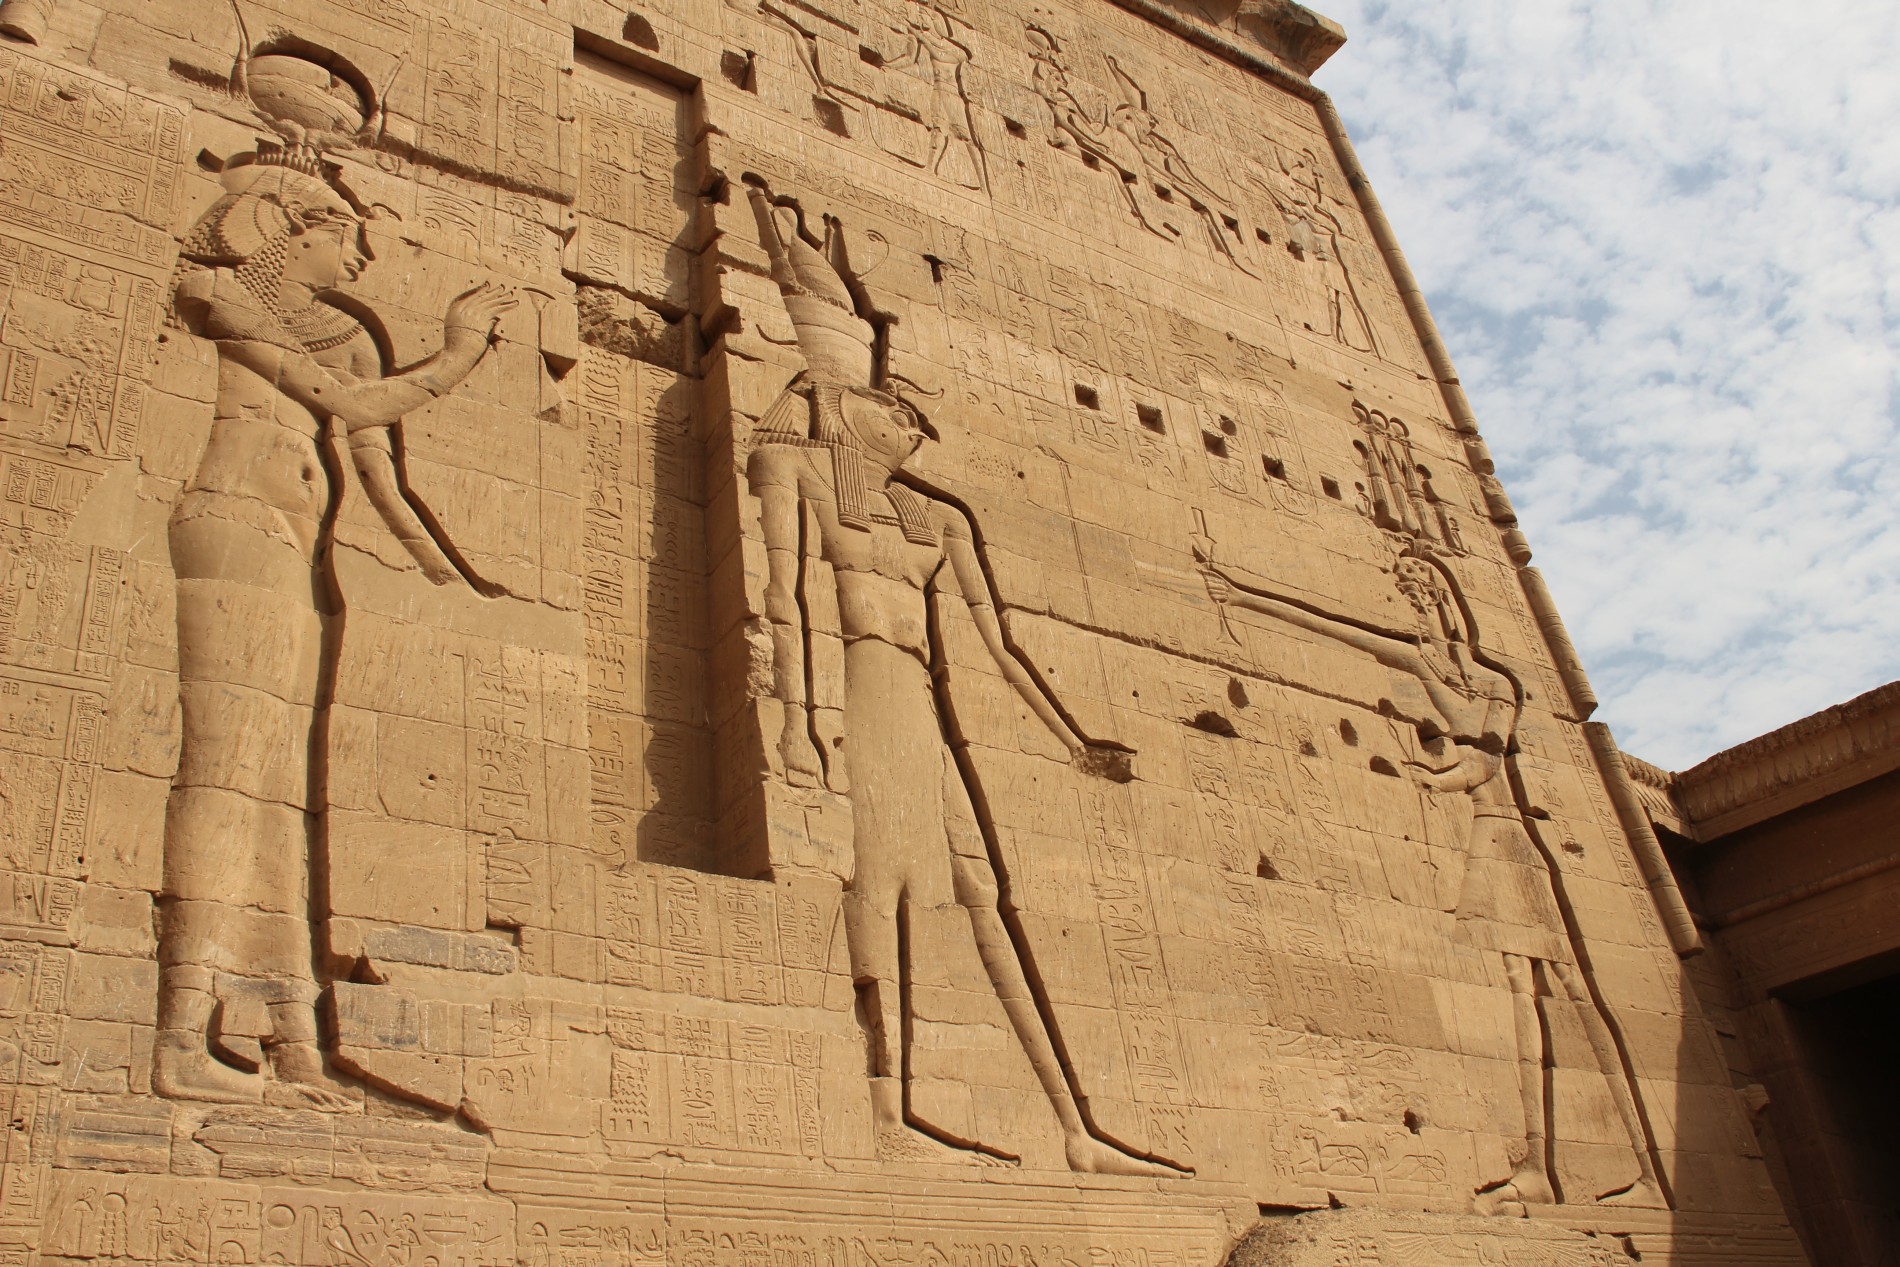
{"x":902,"y":1143}
{"x":304,"y":1081}
{"x":1089,"y":1155}
{"x":1641,"y":1195}
{"x":1509,"y":1199}
{"x":183,"y":1070}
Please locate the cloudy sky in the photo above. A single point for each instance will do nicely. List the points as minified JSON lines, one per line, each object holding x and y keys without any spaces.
{"x":1663,"y":243}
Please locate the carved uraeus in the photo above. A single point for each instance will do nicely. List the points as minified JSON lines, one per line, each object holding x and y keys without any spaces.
{"x":305,"y":405}
{"x":1399,"y":493}
{"x":829,"y":470}
{"x":1118,"y":129}
{"x":1511,"y":901}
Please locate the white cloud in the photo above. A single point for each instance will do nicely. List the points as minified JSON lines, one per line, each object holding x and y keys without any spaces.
{"x":1662,"y":241}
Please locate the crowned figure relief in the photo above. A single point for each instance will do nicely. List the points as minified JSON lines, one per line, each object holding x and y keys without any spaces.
{"x":305,"y":409}
{"x":836,"y":444}
{"x":1508,"y":899}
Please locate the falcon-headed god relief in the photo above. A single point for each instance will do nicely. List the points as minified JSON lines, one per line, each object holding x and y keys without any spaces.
{"x":303,"y":401}
{"x":835,"y":446}
{"x":1508,"y":903}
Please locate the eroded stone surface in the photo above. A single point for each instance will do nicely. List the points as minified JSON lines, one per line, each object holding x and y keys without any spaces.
{"x":759,"y":632}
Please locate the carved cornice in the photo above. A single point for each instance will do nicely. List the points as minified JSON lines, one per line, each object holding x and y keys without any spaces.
{"x":1796,"y":765}
{"x":1656,"y":789}
{"x":1292,"y":32}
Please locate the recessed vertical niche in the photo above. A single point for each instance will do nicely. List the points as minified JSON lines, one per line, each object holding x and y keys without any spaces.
{"x":644,"y":571}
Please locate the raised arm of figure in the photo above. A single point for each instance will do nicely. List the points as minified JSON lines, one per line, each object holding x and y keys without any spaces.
{"x":467,"y":329}
{"x":774,"y":476}
{"x":1109,"y":761}
{"x":1388,"y":649}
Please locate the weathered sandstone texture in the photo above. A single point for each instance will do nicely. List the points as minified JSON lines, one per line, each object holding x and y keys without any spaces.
{"x":785,"y":633}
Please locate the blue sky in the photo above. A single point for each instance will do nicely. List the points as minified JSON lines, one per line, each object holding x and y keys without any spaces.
{"x":1662,"y":241}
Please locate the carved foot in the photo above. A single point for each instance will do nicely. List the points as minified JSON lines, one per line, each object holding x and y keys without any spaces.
{"x":1090,"y":1156}
{"x":183,"y":1069}
{"x":304,"y":1082}
{"x":1641,"y":1195}
{"x":1511,"y":1198}
{"x":901,"y":1143}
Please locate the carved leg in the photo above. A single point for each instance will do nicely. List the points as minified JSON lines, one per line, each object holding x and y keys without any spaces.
{"x":1646,"y":1192}
{"x":297,"y":1061}
{"x":1529,"y":1184}
{"x":26,"y":19}
{"x":182,"y":1064}
{"x":235,"y":896}
{"x":870,"y":925}
{"x":978,"y":891}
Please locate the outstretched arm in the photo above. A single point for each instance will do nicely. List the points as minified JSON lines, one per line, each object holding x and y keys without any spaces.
{"x":1111,"y":762}
{"x":1475,"y":767}
{"x":467,"y":328}
{"x":1391,"y":651}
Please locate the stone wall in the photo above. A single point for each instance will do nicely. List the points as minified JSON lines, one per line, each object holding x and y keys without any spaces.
{"x":818,"y":632}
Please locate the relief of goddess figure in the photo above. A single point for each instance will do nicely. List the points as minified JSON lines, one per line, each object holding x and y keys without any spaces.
{"x":303,"y":400}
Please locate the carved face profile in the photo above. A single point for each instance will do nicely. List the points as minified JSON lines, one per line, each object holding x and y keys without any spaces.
{"x":887,"y":430}
{"x":324,"y":252}
{"x":262,"y":205}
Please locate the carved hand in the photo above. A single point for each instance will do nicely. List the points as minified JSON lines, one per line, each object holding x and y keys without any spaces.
{"x":1219,"y":588}
{"x":477,"y":310}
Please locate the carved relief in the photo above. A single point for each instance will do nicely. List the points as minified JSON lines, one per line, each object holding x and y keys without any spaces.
{"x":1399,"y":495}
{"x":306,"y":408}
{"x":853,"y":677}
{"x":1116,"y":128}
{"x":908,"y":95}
{"x":616,"y":781}
{"x":1508,"y":902}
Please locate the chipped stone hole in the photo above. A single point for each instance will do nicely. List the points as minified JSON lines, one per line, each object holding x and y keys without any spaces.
{"x":1379,"y":765}
{"x":738,"y":70}
{"x":830,"y":115}
{"x":1348,"y":734}
{"x":870,"y":56}
{"x":1275,"y":468}
{"x":1266,"y":870}
{"x":1413,"y":1121}
{"x":1015,"y":129}
{"x":1307,"y":749}
{"x":1329,"y":486}
{"x":1150,"y":418}
{"x":1214,"y":444}
{"x":1213,"y":723}
{"x":1087,"y":396}
{"x":639,"y":32}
